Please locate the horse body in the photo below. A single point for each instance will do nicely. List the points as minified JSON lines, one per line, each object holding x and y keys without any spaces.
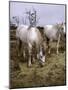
{"x":31,"y":37}
{"x":22,"y":34}
{"x":54,"y":33}
{"x":50,"y":32}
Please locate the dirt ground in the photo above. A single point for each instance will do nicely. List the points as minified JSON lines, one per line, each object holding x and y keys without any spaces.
{"x":52,"y":74}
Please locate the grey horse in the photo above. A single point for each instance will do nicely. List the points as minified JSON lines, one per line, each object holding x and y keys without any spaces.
{"x":32,"y":40}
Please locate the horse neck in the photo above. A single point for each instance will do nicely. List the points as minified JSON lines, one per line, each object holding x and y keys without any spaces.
{"x":30,"y":26}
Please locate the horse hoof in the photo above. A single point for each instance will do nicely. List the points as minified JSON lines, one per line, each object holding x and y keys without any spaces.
{"x":48,"y":52}
{"x":29,"y":66}
{"x":57,"y":53}
{"x":33,"y":61}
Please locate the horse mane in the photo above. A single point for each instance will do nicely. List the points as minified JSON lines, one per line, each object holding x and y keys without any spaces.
{"x":30,"y":26}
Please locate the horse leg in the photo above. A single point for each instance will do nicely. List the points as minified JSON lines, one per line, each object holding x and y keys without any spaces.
{"x":18,"y":47}
{"x":17,"y":60}
{"x":49,"y":46}
{"x":30,"y":56}
{"x":33,"y":58}
{"x":33,"y":55}
{"x":58,"y":44}
{"x":29,"y":60}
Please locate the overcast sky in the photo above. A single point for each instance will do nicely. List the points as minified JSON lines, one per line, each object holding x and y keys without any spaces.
{"x":48,"y":13}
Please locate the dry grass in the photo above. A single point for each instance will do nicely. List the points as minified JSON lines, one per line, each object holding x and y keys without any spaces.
{"x":53,"y":73}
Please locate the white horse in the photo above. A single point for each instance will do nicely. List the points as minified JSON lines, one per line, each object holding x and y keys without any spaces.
{"x":54,"y":33}
{"x":33,"y":41}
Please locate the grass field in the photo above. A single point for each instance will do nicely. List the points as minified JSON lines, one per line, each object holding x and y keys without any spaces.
{"x":52,"y":74}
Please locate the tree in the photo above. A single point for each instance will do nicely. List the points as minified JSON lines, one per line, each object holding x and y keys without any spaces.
{"x":24,"y":20}
{"x":32,"y":17}
{"x":16,"y":18}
